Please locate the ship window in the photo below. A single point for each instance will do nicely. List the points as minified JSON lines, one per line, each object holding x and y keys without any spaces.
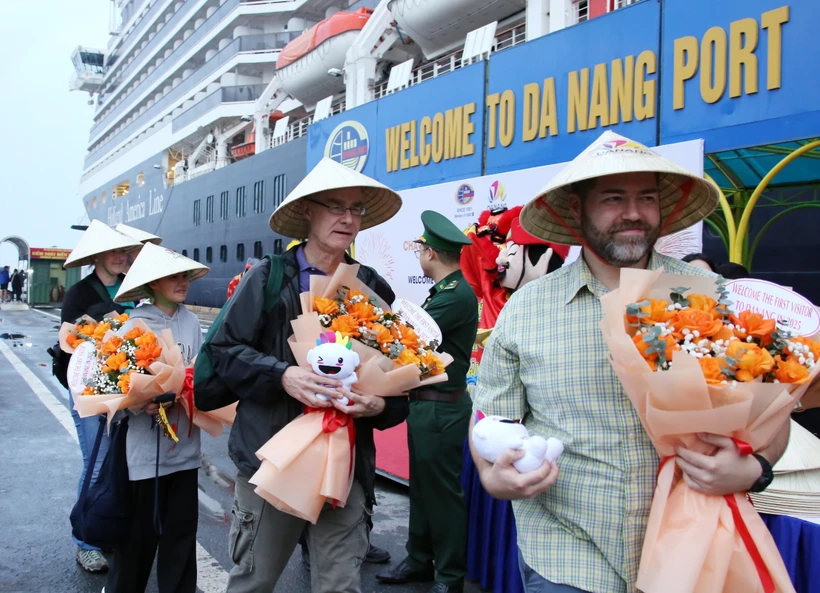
{"x":140,"y":179}
{"x":259,"y":197}
{"x":257,"y":250}
{"x":197,"y":212}
{"x":209,"y":209}
{"x":87,"y":206}
{"x":196,"y":253}
{"x":120,"y":190}
{"x":185,"y":253}
{"x":102,"y":199}
{"x":223,"y":253}
{"x":223,"y":205}
{"x":240,"y":201}
{"x":280,"y":190}
{"x":240,"y":252}
{"x":209,"y":254}
{"x":94,"y":202}
{"x":277,"y":247}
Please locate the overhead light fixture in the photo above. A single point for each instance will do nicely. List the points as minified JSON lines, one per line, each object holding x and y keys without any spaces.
{"x":335,"y":72}
{"x":246,"y":118}
{"x":157,"y":166}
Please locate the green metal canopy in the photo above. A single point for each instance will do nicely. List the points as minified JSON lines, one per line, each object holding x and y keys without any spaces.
{"x":745,"y":168}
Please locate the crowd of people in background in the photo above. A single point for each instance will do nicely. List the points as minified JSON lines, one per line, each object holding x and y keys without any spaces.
{"x":11,"y":285}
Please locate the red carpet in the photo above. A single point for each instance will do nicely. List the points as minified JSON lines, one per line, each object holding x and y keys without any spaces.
{"x":392,"y":456}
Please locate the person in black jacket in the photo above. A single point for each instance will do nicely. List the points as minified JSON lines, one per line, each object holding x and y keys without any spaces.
{"x":107,"y":250}
{"x":17,"y":285}
{"x":251,"y":355}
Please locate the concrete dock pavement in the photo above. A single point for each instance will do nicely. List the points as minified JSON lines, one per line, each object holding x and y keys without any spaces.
{"x":40,"y":468}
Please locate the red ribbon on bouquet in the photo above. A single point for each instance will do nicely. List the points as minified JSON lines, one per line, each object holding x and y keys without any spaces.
{"x":334,"y":420}
{"x":760,"y":565}
{"x":188,"y":395}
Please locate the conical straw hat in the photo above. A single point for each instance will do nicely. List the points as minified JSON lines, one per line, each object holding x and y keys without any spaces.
{"x":380,"y":202}
{"x":99,"y":238}
{"x":153,"y":263}
{"x":138,"y":234}
{"x":548,"y":216}
{"x":802,"y":453}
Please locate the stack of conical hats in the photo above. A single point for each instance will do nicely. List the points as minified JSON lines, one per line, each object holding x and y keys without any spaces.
{"x":795,"y":489}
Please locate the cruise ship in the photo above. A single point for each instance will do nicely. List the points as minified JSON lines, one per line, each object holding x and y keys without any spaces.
{"x":208,"y":112}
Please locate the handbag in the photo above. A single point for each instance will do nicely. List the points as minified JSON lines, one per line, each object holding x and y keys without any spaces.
{"x":102,"y":515}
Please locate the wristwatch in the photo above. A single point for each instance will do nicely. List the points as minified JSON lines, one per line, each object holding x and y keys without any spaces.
{"x":765,"y":478}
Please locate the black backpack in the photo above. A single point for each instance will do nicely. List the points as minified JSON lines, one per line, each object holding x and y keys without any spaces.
{"x":210,"y":391}
{"x":102,"y":515}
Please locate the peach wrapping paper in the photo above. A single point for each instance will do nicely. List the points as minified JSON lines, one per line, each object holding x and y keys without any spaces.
{"x":692,"y":544}
{"x":303,"y":467}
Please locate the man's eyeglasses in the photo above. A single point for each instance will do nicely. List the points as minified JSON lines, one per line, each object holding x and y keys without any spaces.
{"x":419,"y":250}
{"x":338,"y":210}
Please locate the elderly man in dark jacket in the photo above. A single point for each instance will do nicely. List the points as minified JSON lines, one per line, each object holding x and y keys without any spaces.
{"x":251,"y":355}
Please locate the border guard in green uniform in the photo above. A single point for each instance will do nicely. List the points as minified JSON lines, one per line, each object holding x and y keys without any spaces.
{"x":438,"y":422}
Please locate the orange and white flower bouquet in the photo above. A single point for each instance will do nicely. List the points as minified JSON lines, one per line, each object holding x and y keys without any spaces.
{"x":690,"y":365}
{"x":310,"y":461}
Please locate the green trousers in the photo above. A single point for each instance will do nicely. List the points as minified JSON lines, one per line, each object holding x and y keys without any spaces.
{"x":438,"y":513}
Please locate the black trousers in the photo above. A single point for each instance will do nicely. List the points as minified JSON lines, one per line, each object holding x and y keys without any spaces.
{"x":175,"y":548}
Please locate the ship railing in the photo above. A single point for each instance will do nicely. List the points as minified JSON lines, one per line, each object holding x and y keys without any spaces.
{"x":503,"y":40}
{"x":299,"y":128}
{"x":194,"y":172}
{"x":141,"y":25}
{"x":266,"y":42}
{"x":171,"y":61}
{"x":227,"y":94}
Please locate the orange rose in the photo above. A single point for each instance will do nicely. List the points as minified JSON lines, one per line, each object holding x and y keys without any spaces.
{"x":73,"y":340}
{"x":383,"y":336}
{"x":325,"y":306}
{"x":407,"y":356}
{"x":115,"y":362}
{"x":146,"y":340}
{"x":351,"y":294}
{"x":433,"y":363}
{"x":111,"y":346}
{"x":752,"y":324}
{"x":125,"y":382}
{"x":696,"y":320}
{"x":347,"y":325}
{"x":409,"y":338}
{"x":88,"y":390}
{"x":752,"y":360}
{"x":364,"y":312}
{"x":704,"y":303}
{"x":713,"y":370}
{"x":656,"y":311}
{"x":86,"y":329}
{"x":790,"y":371}
{"x":147,"y":355}
{"x":101,"y":330}
{"x":133,"y":334}
{"x":121,"y":318}
{"x":652,"y":359}
{"x":724,"y":334}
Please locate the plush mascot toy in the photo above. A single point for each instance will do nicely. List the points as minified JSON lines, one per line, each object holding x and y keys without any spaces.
{"x":333,"y":357}
{"x":492,"y":435}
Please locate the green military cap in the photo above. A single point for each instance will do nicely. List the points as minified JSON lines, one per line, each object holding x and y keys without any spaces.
{"x":440,"y":233}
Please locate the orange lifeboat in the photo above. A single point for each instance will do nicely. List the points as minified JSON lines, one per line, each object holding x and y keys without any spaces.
{"x":304,"y":63}
{"x":248,"y":148}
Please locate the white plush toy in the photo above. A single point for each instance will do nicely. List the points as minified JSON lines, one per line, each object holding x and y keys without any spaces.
{"x":333,"y":357}
{"x":492,"y":435}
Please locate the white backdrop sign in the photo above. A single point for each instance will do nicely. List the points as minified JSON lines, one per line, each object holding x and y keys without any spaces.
{"x":389,"y":247}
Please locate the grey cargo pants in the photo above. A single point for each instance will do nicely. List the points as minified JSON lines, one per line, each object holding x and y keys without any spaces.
{"x":262,"y":540}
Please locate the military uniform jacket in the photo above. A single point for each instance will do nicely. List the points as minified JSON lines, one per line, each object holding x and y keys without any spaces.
{"x":453,"y":306}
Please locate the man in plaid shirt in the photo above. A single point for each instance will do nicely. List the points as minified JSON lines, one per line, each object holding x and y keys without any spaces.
{"x":546,"y":362}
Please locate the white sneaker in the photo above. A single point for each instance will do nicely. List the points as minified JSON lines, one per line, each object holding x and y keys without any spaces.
{"x":92,"y":560}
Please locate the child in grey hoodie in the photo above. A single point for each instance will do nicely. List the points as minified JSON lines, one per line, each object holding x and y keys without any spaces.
{"x":163,"y":474}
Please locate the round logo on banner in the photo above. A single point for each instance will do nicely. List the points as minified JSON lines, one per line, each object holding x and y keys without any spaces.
{"x":772,"y":301}
{"x":348,"y":144}
{"x":422,"y":323}
{"x":81,"y":367}
{"x":465,"y":194}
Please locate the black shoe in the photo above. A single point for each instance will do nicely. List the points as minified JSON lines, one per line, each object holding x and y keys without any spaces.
{"x":442,"y":588}
{"x":377,"y":555}
{"x":405,"y":574}
{"x":305,"y":557}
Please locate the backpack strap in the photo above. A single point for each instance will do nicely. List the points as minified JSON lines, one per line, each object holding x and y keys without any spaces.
{"x":273,"y":288}
{"x":98,"y":286}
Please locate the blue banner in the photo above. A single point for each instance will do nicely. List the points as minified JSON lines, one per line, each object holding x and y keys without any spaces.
{"x":550,"y":98}
{"x":426,"y":134}
{"x":740,"y":73}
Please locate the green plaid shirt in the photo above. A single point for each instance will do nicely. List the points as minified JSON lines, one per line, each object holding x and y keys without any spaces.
{"x":547,"y":362}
